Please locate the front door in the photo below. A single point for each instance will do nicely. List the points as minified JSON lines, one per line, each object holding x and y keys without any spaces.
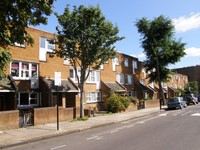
{"x":2,"y":102}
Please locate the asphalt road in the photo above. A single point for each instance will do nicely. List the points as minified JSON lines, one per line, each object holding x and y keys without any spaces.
{"x":170,"y":130}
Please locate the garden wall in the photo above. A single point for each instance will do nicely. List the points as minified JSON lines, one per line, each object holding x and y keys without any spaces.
{"x":49,"y":115}
{"x":9,"y":120}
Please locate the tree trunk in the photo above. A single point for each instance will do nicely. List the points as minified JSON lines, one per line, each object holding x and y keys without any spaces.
{"x":159,"y":83}
{"x":81,"y":104}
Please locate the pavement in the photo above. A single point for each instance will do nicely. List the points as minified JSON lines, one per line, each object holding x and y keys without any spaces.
{"x":19,"y":136}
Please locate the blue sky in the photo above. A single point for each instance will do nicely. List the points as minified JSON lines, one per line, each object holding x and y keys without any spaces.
{"x":185,"y":15}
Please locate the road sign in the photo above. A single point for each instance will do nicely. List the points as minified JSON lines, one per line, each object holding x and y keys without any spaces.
{"x":57,"y":79}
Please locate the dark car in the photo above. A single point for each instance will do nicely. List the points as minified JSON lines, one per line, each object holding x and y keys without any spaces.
{"x":198,"y":97}
{"x":176,"y":102}
{"x":190,"y":98}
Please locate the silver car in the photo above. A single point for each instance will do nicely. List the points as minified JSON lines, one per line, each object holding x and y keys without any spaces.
{"x":176,"y":102}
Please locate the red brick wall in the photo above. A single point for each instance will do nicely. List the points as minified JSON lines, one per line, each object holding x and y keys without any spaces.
{"x":152,"y":103}
{"x":49,"y":115}
{"x":9,"y":120}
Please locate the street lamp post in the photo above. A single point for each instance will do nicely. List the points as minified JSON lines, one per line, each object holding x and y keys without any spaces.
{"x":159,"y":81}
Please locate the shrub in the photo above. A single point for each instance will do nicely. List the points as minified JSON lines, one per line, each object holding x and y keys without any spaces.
{"x":116,"y":103}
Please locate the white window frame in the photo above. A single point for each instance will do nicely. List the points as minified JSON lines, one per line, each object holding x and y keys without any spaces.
{"x":120,"y":78}
{"x":134,"y":65}
{"x":29,"y":99}
{"x":125,"y":62}
{"x":94,"y":76}
{"x":45,"y":49}
{"x":20,"y":45}
{"x":129,"y":79}
{"x":93,"y":97}
{"x":23,"y":72}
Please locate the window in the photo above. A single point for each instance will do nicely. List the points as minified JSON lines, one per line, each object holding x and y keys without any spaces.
{"x":45,"y":46}
{"x":134,"y":64}
{"x":142,"y":81}
{"x":115,"y":62}
{"x":66,"y":61}
{"x":24,"y":70}
{"x":126,"y":62}
{"x":93,"y":97}
{"x":120,"y":78}
{"x":129,"y":79}
{"x":19,"y":45}
{"x":28,"y":99}
{"x":94,"y":76}
{"x":45,"y":43}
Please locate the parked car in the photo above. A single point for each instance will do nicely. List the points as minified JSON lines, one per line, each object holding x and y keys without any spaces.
{"x":176,"y":102}
{"x":190,"y":98}
{"x":198,"y":97}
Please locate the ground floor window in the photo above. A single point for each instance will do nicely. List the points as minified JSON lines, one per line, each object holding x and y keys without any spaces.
{"x":28,"y":99}
{"x":131,"y":93}
{"x":92,"y":97}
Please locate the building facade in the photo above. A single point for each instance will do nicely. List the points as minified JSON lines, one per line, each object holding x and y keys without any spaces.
{"x":32,"y":77}
{"x":192,"y":72}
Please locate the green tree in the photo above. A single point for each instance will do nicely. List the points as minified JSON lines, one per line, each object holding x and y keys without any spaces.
{"x":192,"y":87}
{"x":86,"y":39}
{"x":160,"y":47}
{"x":15,"y":17}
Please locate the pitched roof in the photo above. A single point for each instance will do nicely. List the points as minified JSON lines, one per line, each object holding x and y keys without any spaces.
{"x":7,"y":85}
{"x":116,"y":87}
{"x":66,"y":85}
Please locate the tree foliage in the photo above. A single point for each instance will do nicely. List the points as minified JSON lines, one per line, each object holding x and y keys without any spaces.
{"x":159,"y":45}
{"x":86,"y":39}
{"x":192,"y":87}
{"x":15,"y":16}
{"x":116,"y":103}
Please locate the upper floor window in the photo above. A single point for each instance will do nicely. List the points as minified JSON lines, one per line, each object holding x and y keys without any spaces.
{"x":19,"y":45}
{"x":120,"y":78}
{"x":142,"y":81}
{"x":45,"y":46}
{"x":94,"y":76}
{"x":134,"y":64}
{"x":128,"y":79}
{"x":24,"y":70}
{"x":126,"y":62}
{"x":45,"y":43}
{"x":116,"y":61}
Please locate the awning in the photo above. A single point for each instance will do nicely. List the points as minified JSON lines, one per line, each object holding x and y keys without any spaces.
{"x":66,"y":85}
{"x":7,"y":85}
{"x":116,"y":87}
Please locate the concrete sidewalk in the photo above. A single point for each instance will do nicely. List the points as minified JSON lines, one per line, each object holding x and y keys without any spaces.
{"x":34,"y":133}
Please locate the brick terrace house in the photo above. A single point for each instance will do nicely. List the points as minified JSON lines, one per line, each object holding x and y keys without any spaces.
{"x":193,"y":73}
{"x":32,"y":77}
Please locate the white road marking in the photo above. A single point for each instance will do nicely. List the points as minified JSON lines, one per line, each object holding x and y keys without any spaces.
{"x":185,"y":113}
{"x":61,"y":146}
{"x":196,"y":114}
{"x":162,"y":115}
{"x":93,"y":137}
{"x":113,"y":131}
{"x":141,"y":122}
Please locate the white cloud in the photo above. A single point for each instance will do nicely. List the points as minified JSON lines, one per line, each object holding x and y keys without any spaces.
{"x":192,"y":52}
{"x":140,"y":56}
{"x":183,"y":24}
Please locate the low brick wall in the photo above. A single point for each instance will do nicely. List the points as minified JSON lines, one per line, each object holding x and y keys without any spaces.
{"x":49,"y":115}
{"x":152,"y":103}
{"x":9,"y":120}
{"x":132,"y":107}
